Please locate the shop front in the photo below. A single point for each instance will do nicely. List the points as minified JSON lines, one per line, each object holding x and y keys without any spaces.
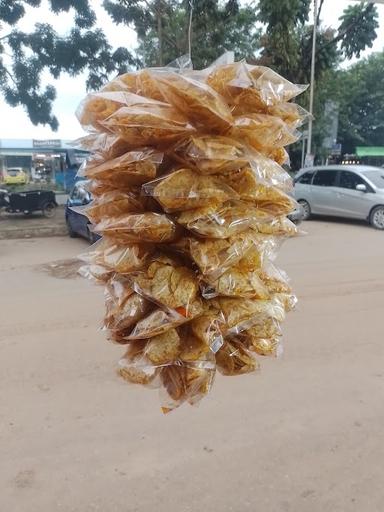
{"x":50,"y":162}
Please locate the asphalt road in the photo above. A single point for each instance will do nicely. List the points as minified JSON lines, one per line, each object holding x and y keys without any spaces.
{"x":303,"y":435}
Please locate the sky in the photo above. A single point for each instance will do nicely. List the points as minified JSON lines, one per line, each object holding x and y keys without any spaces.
{"x":70,"y":91}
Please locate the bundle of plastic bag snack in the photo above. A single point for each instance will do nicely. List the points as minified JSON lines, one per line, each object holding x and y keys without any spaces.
{"x":192,"y":205}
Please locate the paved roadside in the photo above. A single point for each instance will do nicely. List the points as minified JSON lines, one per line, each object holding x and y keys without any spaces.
{"x":18,"y":226}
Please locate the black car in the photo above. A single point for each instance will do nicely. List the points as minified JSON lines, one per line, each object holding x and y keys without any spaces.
{"x":78,"y":223}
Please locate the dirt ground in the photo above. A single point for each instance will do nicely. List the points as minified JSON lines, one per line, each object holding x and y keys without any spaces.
{"x":303,"y":435}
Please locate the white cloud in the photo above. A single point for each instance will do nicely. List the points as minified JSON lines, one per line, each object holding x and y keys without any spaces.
{"x":70,"y":91}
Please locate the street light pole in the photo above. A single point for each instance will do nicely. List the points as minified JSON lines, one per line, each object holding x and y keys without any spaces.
{"x":312,"y":89}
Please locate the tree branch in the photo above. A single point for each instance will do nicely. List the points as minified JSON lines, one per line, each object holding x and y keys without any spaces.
{"x":352,"y":25}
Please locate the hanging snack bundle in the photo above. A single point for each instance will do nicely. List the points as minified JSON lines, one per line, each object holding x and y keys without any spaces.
{"x":192,"y":204}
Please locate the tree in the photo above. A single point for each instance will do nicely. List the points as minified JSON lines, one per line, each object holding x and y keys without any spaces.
{"x":360,"y":95}
{"x":287,"y":39}
{"x":162,"y":28}
{"x":287,"y":47}
{"x":24,"y":57}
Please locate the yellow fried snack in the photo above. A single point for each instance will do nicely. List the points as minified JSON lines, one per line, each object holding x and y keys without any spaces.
{"x":134,"y":367}
{"x":185,"y":383}
{"x":113,"y":204}
{"x":125,"y":259}
{"x":99,"y":106}
{"x":185,"y":190}
{"x":291,"y":113}
{"x":161,"y":321}
{"x":164,"y":348}
{"x":210,"y":154}
{"x":223,"y":221}
{"x":279,"y":155}
{"x":275,"y":279}
{"x":150,"y":124}
{"x":198,"y":102}
{"x":126,"y":82}
{"x":236,"y":282}
{"x":214,"y":257}
{"x":103,"y":146}
{"x":234,"y":83}
{"x":268,"y":199}
{"x":287,"y":300}
{"x":129,"y":170}
{"x":169,"y":284}
{"x":261,"y":131}
{"x":147,"y":86}
{"x":200,"y":336}
{"x":131,"y":311}
{"x":272,"y":86}
{"x":264,"y":327}
{"x":141,"y":227}
{"x":234,"y":359}
{"x":241,"y":314}
{"x":267,"y":345}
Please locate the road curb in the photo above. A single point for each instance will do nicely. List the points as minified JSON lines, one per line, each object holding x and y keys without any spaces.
{"x":35,"y":232}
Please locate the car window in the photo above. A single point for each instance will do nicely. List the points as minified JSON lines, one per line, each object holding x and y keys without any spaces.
{"x":350,"y":180}
{"x":377,"y":177}
{"x":325,"y":178}
{"x":306,"y":178}
{"x":13,"y":172}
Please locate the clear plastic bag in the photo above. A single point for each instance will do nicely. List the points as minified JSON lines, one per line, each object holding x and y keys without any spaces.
{"x":141,"y":227}
{"x":210,"y":154}
{"x":249,"y":249}
{"x":188,"y":382}
{"x":99,"y":106}
{"x":223,"y":221}
{"x":275,"y":279}
{"x":169,"y":284}
{"x":124,"y":307}
{"x":97,"y":273}
{"x":234,"y":359}
{"x":129,"y":170}
{"x":151,"y":124}
{"x":272,"y":86}
{"x":185,"y":190}
{"x":103,"y":146}
{"x":262,"y":131}
{"x":291,"y":113}
{"x":236,"y":282}
{"x":241,"y":314}
{"x":205,"y":109}
{"x":220,"y":155}
{"x":268,"y":199}
{"x":112,"y":204}
{"x":250,"y":89}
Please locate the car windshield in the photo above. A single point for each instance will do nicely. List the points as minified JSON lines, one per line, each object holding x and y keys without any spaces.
{"x":13,"y":172}
{"x":376,"y":177}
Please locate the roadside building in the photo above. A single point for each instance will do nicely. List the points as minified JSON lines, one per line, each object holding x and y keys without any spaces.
{"x":50,"y":161}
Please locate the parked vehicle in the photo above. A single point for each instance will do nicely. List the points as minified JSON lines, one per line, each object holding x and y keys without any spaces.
{"x":351,"y":191}
{"x":29,"y":201}
{"x":78,"y":223}
{"x":297,"y":216}
{"x":15,"y":176}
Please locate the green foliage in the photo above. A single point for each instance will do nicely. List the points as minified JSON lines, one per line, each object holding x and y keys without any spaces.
{"x":162,"y":28}
{"x":287,"y":40}
{"x":24,"y":57}
{"x":360,"y":94}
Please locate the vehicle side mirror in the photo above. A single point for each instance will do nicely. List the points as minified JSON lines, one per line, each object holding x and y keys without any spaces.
{"x":361,"y":187}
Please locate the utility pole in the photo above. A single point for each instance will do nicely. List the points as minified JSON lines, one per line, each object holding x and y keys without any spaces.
{"x":312,"y":89}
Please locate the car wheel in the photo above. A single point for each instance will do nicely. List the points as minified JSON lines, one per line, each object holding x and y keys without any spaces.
{"x":306,"y":209}
{"x":376,"y":218}
{"x":49,"y":210}
{"x":71,"y":233}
